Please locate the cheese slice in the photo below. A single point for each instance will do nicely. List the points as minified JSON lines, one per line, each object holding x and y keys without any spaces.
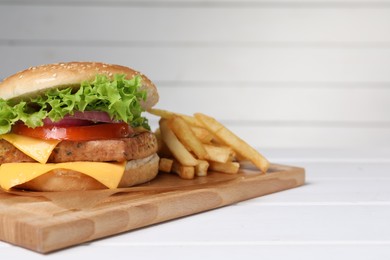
{"x":37,"y":149}
{"x":13,"y":174}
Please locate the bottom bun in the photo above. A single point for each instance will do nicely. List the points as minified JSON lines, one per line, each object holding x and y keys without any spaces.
{"x":136,"y":172}
{"x":140,"y":171}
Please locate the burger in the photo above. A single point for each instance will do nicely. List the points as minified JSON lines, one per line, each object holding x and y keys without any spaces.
{"x":76,"y":126}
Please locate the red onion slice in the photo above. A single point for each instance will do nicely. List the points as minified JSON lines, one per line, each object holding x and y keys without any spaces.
{"x":81,"y":118}
{"x":94,"y":116}
{"x":67,"y":121}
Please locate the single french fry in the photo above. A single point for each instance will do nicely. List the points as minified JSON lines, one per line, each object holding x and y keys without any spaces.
{"x":202,"y":134}
{"x":228,"y":167}
{"x":185,"y":172}
{"x":175,"y":146}
{"x":165,"y":165}
{"x":238,"y":157}
{"x":184,"y":133}
{"x":161,"y":113}
{"x":232,"y":140}
{"x":191,"y":120}
{"x":202,"y":168}
{"x":218,"y":153}
{"x":168,"y":114}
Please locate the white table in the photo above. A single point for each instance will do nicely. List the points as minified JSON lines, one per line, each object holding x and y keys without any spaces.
{"x":343,"y":212}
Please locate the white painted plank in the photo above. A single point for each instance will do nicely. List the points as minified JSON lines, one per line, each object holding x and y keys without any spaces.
{"x":326,"y":158}
{"x":218,"y":64}
{"x":316,"y":223}
{"x":264,"y":102}
{"x":339,"y":169}
{"x":343,"y":191}
{"x":254,"y":251}
{"x":300,"y":3}
{"x":222,"y":25}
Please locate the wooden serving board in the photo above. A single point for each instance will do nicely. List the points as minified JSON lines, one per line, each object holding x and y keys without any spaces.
{"x":46,"y":224}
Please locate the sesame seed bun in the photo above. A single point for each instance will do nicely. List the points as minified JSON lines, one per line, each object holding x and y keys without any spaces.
{"x":35,"y":80}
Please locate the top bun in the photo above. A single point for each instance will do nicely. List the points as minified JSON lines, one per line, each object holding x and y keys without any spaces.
{"x":35,"y":80}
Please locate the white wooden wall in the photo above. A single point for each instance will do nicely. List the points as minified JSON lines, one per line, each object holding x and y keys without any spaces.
{"x":289,"y":73}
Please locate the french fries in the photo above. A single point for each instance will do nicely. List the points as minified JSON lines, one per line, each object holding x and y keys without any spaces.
{"x":228,"y":167}
{"x":218,"y":153}
{"x":175,"y":146}
{"x":183,"y":131}
{"x":167,"y":115}
{"x":191,"y":146}
{"x":185,"y":172}
{"x":202,"y":134}
{"x":232,"y":140}
{"x":202,"y":168}
{"x":161,"y":113}
{"x":165,"y":165}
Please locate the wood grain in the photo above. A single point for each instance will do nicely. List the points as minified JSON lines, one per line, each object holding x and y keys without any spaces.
{"x":42,"y":225}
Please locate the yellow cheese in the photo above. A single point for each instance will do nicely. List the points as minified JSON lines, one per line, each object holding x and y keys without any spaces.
{"x":13,"y":174}
{"x":37,"y":149}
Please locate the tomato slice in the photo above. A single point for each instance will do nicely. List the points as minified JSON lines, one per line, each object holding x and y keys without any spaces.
{"x":75,"y":133}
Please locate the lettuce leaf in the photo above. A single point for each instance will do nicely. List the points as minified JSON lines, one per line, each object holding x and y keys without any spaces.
{"x":120,"y":98}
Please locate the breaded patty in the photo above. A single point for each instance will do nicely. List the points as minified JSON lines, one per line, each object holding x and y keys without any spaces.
{"x":124,"y":149}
